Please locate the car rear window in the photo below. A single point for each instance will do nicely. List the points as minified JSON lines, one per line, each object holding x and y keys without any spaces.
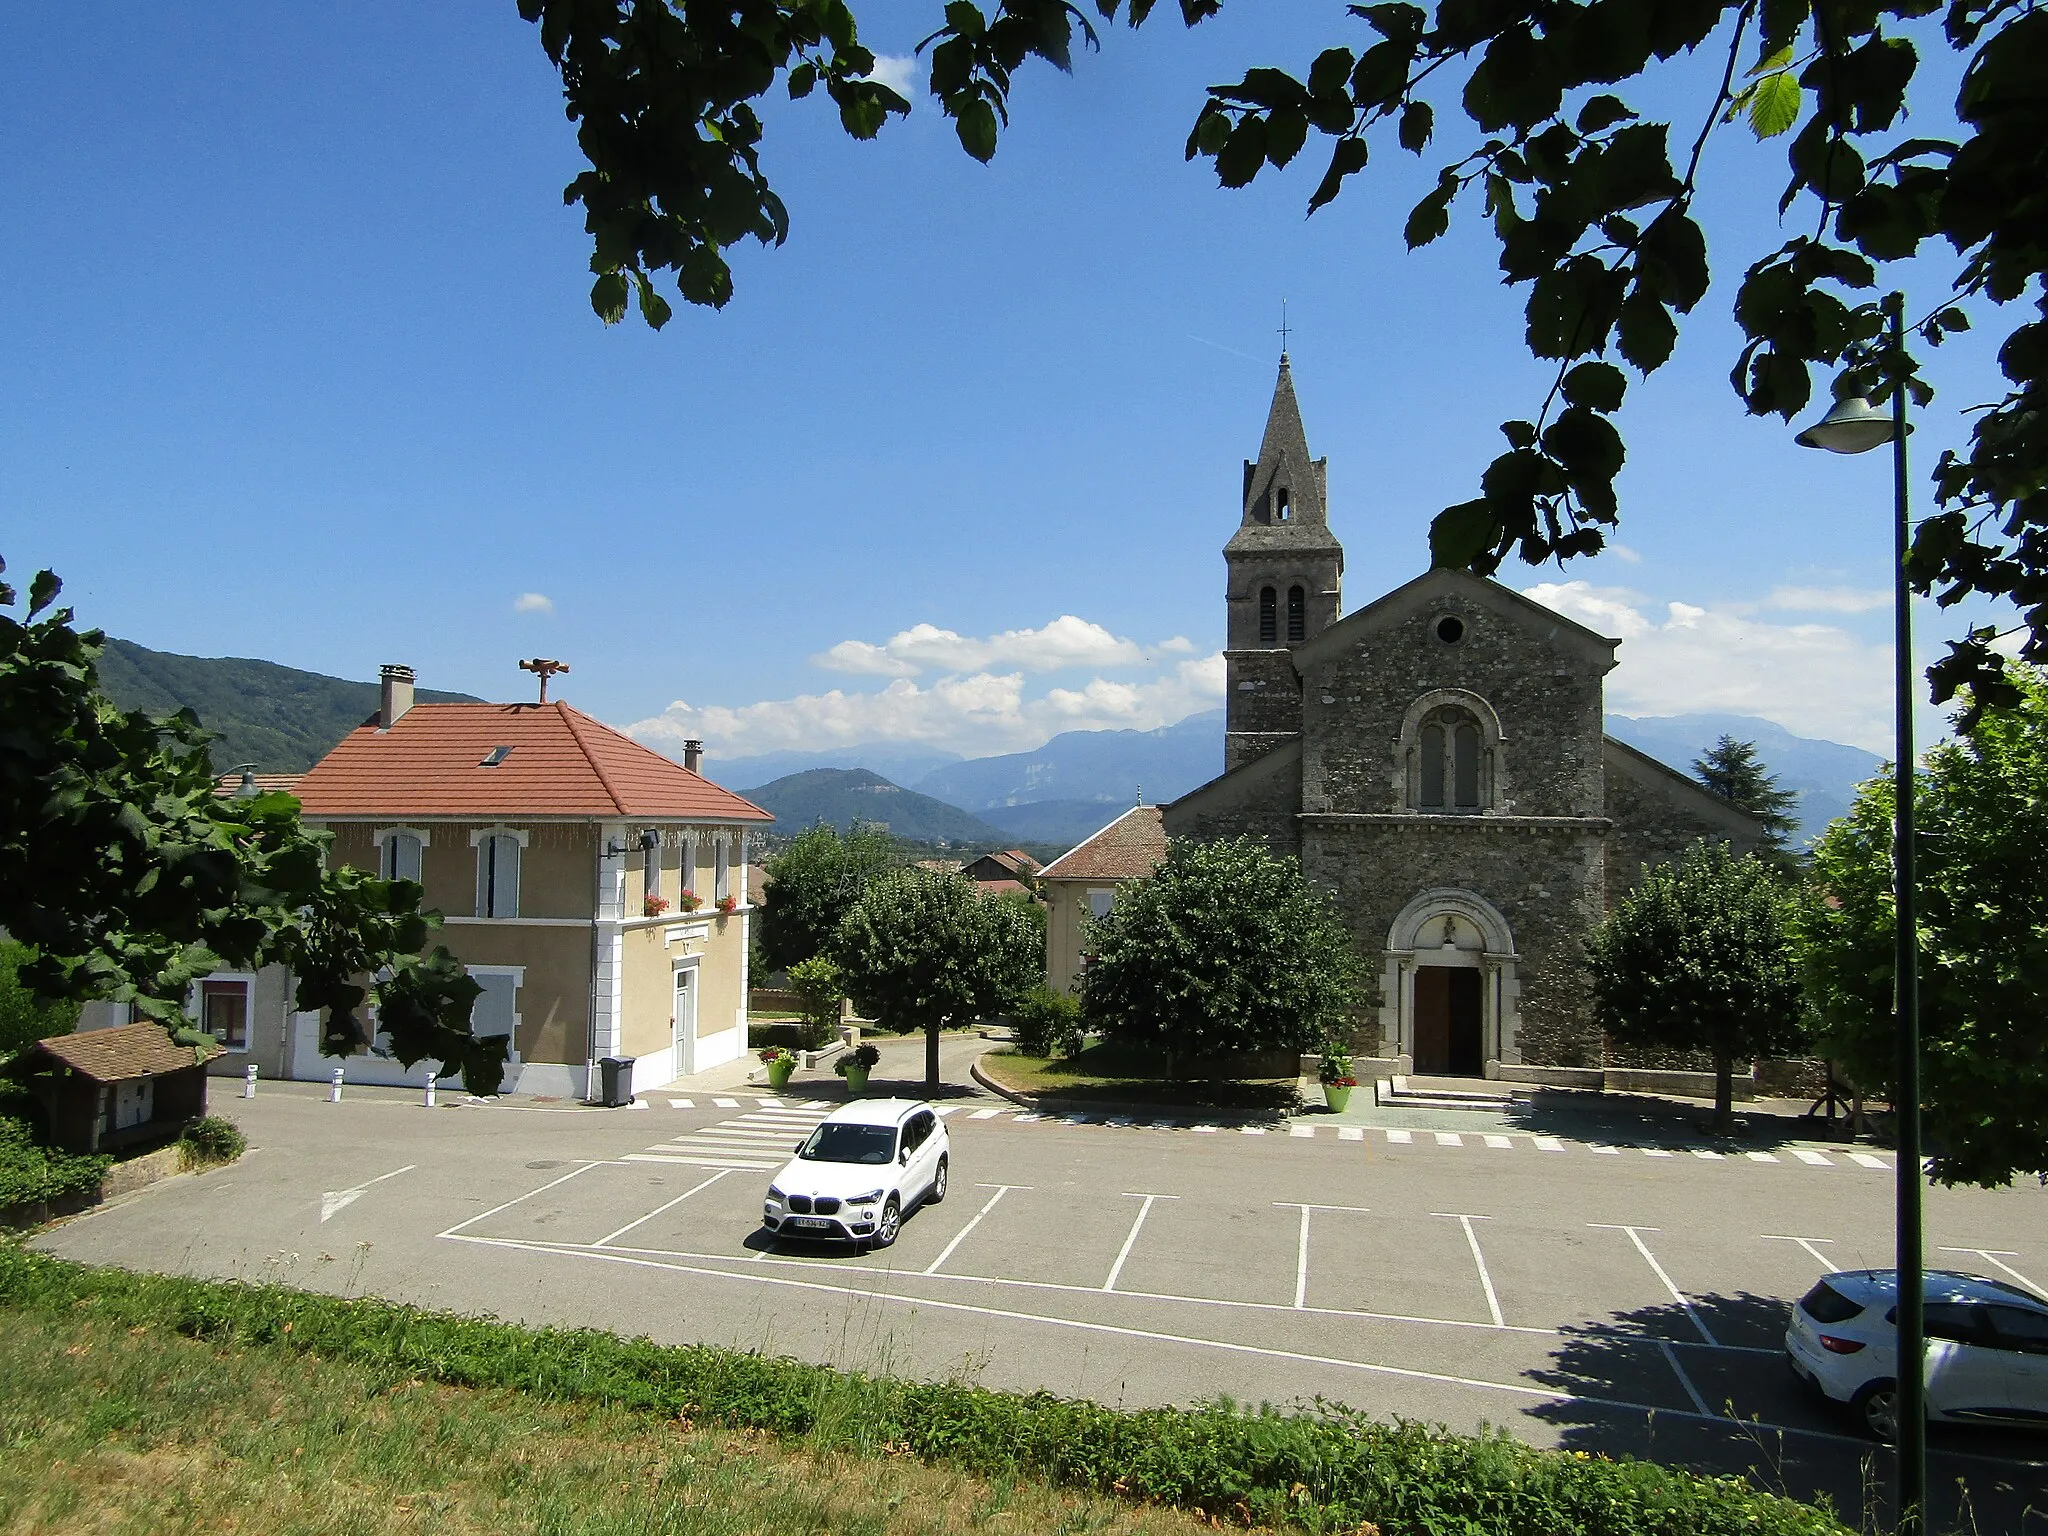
{"x":1825,"y":1304}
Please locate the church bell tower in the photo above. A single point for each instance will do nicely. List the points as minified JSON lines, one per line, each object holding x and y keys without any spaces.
{"x":1285,"y":582}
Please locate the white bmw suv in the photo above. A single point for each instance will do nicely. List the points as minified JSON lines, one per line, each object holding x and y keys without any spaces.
{"x":1987,"y":1348}
{"x":859,"y":1172}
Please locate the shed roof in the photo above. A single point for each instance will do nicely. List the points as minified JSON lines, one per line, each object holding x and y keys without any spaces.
{"x":556,"y":761}
{"x":1129,"y":848}
{"x":123,"y":1053}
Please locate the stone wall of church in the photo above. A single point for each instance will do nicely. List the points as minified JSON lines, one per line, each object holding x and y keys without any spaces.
{"x":1545,"y":879}
{"x":1545,"y":691}
{"x":1263,"y":704}
{"x":1656,"y":818}
{"x":1256,"y":801}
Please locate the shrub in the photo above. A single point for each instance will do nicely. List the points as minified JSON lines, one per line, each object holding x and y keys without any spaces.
{"x":1329,"y":1470}
{"x":863,"y":1056}
{"x":212,"y":1140}
{"x":1048,"y":1023}
{"x":33,"y":1174}
{"x":820,"y":990}
{"x":24,"y":1017}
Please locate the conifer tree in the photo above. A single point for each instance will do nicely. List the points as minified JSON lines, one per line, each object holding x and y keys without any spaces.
{"x":1731,"y":770}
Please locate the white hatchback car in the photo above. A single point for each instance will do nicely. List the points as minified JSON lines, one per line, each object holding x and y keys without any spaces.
{"x":859,"y":1172}
{"x":1987,"y":1348}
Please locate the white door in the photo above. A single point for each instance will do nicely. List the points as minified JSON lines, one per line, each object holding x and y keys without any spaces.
{"x":134,"y":1102}
{"x":684,"y":1021}
{"x":1965,"y":1373}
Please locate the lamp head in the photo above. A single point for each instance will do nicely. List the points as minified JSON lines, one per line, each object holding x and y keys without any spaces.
{"x":248,"y":789}
{"x":1853,"y":426}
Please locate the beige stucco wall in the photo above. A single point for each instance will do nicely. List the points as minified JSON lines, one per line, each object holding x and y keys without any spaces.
{"x":1066,"y":914}
{"x":553,"y":1001}
{"x":651,"y":949}
{"x":557,"y":868}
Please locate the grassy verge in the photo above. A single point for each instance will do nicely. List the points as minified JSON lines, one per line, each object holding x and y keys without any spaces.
{"x":117,"y":1429}
{"x":1117,"y":1074}
{"x":1326,"y":1472}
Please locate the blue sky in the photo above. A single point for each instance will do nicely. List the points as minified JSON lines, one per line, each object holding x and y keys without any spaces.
{"x":299,"y":364}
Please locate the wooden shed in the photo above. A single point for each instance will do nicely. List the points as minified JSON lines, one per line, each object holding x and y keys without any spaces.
{"x":111,"y":1088}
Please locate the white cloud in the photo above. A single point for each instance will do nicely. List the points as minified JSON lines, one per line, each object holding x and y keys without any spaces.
{"x":897,"y":71}
{"x":1813,"y":679}
{"x":977,"y":714}
{"x":1178,"y":645}
{"x":1829,"y":599}
{"x":1065,"y":642}
{"x":1624,"y":553}
{"x":533,"y":602}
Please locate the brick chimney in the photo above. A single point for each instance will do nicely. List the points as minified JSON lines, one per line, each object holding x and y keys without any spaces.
{"x":693,"y":756}
{"x":397,"y":698}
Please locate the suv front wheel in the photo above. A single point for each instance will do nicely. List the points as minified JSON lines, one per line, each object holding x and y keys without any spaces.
{"x":938,"y":1184}
{"x":890,"y":1224}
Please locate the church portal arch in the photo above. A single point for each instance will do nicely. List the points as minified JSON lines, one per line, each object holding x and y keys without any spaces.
{"x":1450,"y":997}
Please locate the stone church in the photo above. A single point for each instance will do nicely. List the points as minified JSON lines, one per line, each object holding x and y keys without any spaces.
{"x":1437,"y":759}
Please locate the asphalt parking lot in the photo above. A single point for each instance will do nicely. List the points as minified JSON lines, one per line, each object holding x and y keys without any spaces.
{"x":1609,"y":1298}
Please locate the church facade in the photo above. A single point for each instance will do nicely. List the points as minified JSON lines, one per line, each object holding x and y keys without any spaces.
{"x":1436,"y":759}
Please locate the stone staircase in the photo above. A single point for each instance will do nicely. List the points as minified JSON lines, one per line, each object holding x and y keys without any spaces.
{"x":1443,"y":1093}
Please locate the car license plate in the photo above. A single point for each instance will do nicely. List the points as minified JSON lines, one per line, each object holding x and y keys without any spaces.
{"x":811,"y":1223}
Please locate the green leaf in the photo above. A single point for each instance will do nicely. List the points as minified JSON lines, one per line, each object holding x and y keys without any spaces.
{"x":1432,"y":216}
{"x":1460,"y":535}
{"x":802,"y":79}
{"x":608,"y":297}
{"x":654,"y":309}
{"x":1603,"y":112}
{"x":1586,"y":445}
{"x":1520,"y":434}
{"x":1348,"y":156}
{"x":963,"y":19}
{"x":1599,"y":386}
{"x":976,"y":126}
{"x":1774,"y":105}
{"x":1647,"y":331}
{"x":1418,"y":122}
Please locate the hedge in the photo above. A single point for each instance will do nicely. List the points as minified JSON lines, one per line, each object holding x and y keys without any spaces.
{"x":32,"y":1174}
{"x":1323,"y":1471}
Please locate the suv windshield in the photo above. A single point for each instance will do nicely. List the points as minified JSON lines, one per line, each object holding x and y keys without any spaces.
{"x":832,"y":1143}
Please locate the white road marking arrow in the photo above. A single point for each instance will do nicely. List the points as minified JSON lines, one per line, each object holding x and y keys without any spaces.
{"x":341,"y":1199}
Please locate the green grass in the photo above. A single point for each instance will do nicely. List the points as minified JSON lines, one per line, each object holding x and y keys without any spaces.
{"x":117,"y":1429}
{"x":1121,"y":1074}
{"x":1332,"y":1470}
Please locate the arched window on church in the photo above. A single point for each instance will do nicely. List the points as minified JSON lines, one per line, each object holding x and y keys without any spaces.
{"x":1269,"y":619}
{"x":1450,"y":773}
{"x":1283,"y":510}
{"x":1297,"y":615}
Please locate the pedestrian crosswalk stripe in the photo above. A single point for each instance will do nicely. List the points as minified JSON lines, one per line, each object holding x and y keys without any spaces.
{"x":1609,"y":1151}
{"x":1350,"y":1133}
{"x":1658,"y":1152}
{"x":1449,"y":1139}
{"x":1301,"y":1130}
{"x":1549,"y":1144}
{"x":1706,"y":1152}
{"x":1252,"y":1130}
{"x":1814,"y":1158}
{"x":1865,"y":1160}
{"x":1498,"y":1141}
{"x":695,"y":1161}
{"x":769,"y":1103}
{"x":682,"y":1103}
{"x":1399,"y":1138}
{"x":1760,"y":1157}
{"x":947,"y":1109}
{"x":727,"y":1103}
{"x":1209,"y":1130}
{"x":984,"y":1114}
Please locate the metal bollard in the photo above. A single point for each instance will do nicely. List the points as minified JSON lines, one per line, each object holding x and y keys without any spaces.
{"x":248,"y":1082}
{"x":430,"y":1093}
{"x":334,"y":1092}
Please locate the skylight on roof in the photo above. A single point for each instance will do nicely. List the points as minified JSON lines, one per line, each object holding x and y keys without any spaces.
{"x":495,"y":756}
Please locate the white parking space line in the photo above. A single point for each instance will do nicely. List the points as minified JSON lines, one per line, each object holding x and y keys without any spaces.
{"x":1812,"y":1158}
{"x":1992,"y":1256}
{"x":1865,"y":1160}
{"x":682,"y":1103}
{"x":1399,"y":1138}
{"x":1301,"y":1248}
{"x":551,"y":1183}
{"x":1449,"y":1139}
{"x":984,"y":1114}
{"x":337,"y":1200}
{"x":1351,"y":1133}
{"x":1635,"y":1235}
{"x":1549,"y":1144}
{"x":1132,"y":1237}
{"x":1807,"y":1243}
{"x":1671,"y":1359}
{"x":960,"y":1237}
{"x":671,"y":1205}
{"x":1760,"y":1157}
{"x":1498,"y":1141}
{"x":1478,"y":1259}
{"x":727,"y":1103}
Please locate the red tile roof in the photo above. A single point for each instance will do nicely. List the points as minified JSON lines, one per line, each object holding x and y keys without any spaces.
{"x":561,"y":763}
{"x":117,"y":1055}
{"x":1129,"y":848}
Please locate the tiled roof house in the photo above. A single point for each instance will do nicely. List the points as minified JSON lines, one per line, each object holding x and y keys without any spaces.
{"x":1082,"y":884}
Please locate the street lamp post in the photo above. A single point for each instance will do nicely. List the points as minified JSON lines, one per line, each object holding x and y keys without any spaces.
{"x":1853,"y":426}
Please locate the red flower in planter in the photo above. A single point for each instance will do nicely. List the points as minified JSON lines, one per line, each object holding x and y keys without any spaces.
{"x":654,"y":906}
{"x":728,"y":904}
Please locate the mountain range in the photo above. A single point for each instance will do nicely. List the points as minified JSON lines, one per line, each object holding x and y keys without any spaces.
{"x":842,"y":796}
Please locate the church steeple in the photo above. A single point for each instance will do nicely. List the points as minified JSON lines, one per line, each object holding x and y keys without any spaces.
{"x":1285,"y":579}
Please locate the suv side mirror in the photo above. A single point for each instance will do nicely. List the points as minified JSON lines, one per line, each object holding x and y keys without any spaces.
{"x":903,"y":1156}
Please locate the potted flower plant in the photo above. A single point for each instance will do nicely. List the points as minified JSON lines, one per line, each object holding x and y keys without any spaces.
{"x":1337,"y":1080}
{"x":728,"y":904}
{"x":854,"y":1066}
{"x":653,"y":906}
{"x":780,"y":1064}
{"x":688,"y":901}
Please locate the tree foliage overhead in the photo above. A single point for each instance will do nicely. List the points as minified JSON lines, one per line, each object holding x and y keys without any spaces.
{"x":924,"y":950}
{"x":1699,"y":956}
{"x":1982,"y":891}
{"x":1592,"y":203}
{"x":813,"y":884}
{"x":130,"y":878}
{"x":1731,"y":770}
{"x":1224,"y":949}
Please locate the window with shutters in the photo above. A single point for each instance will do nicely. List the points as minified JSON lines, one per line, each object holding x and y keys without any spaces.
{"x":1269,"y":616}
{"x":1297,"y":615}
{"x":497,"y":874}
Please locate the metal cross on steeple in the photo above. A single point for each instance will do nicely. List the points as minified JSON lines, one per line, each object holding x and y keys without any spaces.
{"x":1283,"y":330}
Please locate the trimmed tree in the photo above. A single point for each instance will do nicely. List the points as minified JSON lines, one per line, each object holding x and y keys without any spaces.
{"x":924,"y":950}
{"x":1982,"y":889}
{"x":813,"y":884}
{"x":1731,"y":770}
{"x":1225,"y":949}
{"x":129,"y":877}
{"x":1699,"y":957}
